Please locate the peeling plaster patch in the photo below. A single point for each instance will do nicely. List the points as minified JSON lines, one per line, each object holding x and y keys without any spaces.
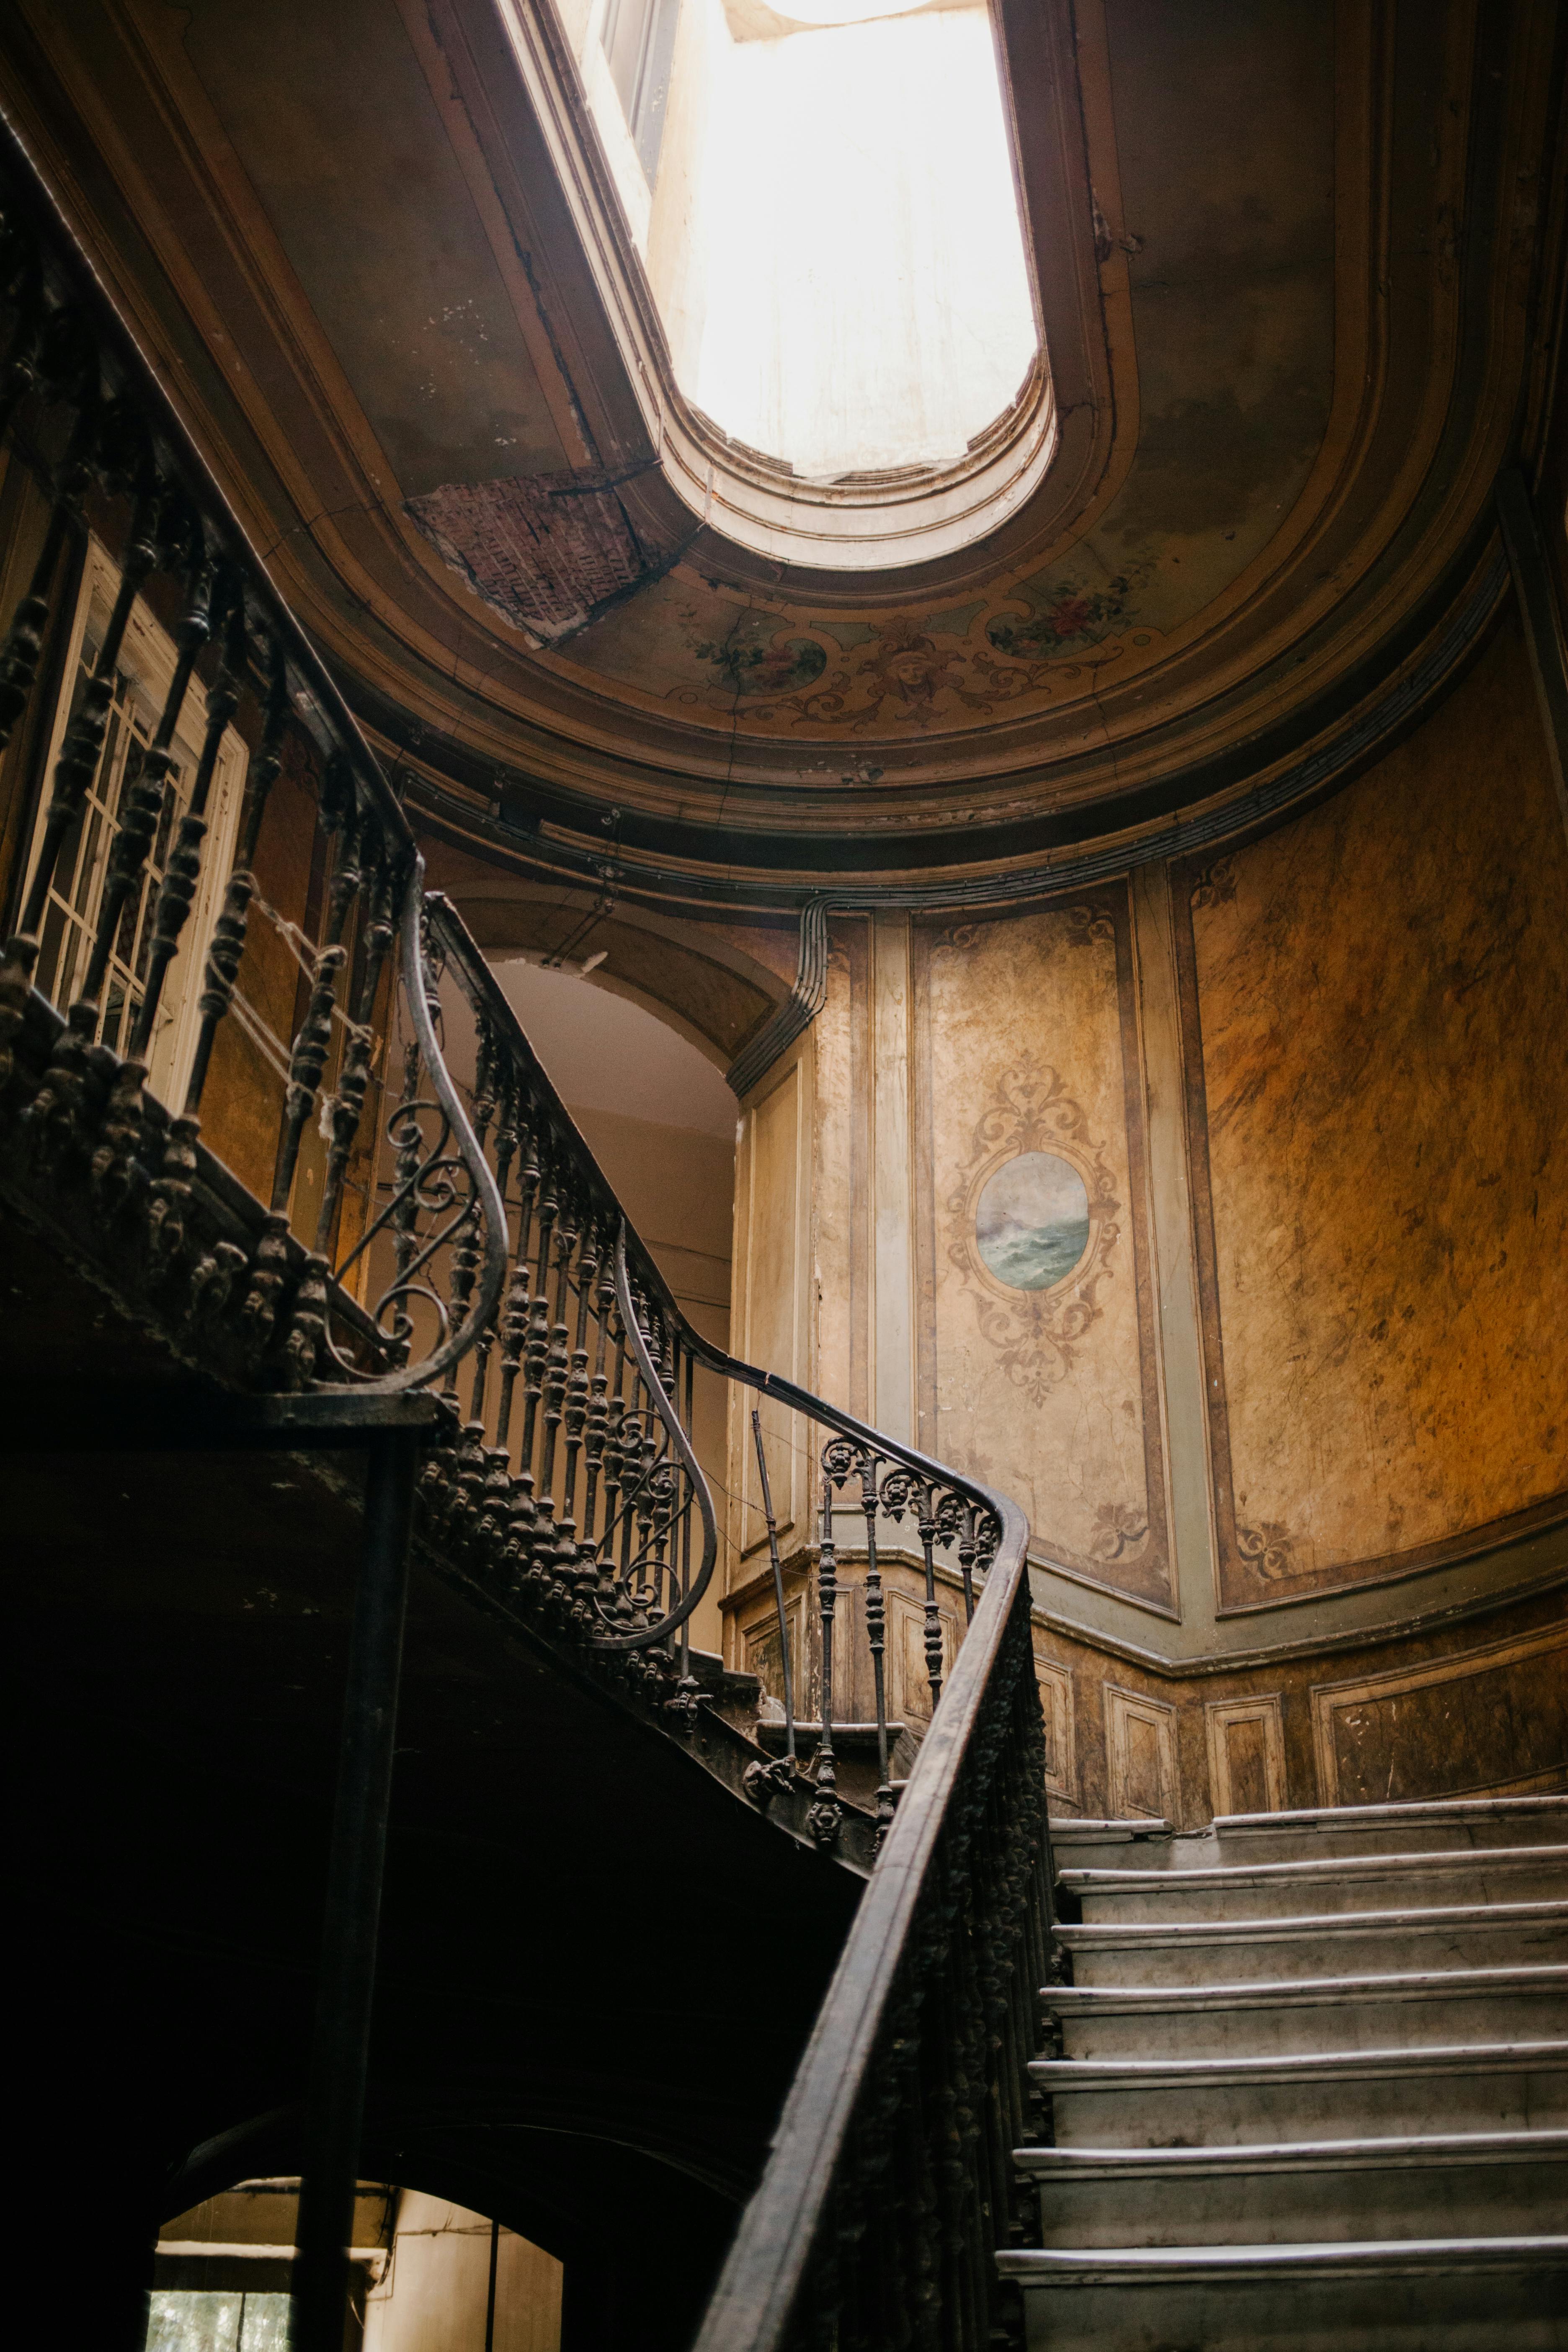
{"x":549,"y":552}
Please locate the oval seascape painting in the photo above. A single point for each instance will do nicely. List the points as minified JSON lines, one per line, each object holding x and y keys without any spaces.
{"x":1032,"y":1221}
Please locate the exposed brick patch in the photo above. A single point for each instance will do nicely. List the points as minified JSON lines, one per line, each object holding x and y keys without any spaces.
{"x":548,"y":552}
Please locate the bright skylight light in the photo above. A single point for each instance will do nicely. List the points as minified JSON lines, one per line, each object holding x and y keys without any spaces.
{"x":832,"y":231}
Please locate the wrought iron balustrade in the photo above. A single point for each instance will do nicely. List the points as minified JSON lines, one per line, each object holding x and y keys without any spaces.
{"x":309,"y":1201}
{"x":369,"y":1251}
{"x":891,"y":2184}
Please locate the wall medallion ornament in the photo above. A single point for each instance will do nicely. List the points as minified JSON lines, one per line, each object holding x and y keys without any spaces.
{"x":1035,"y":1213}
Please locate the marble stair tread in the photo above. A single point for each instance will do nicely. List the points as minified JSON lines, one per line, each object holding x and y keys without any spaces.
{"x":1339,"y":1818}
{"x":1134,"y":2075}
{"x":1412,"y":2150}
{"x":1428,"y":2005}
{"x":1419,"y":2185}
{"x":1306,"y":2097}
{"x":1366,"y":1829}
{"x":1258,"y":1888}
{"x":1413,"y":2295}
{"x":1245,"y":1949}
{"x":1399,"y":2258}
{"x":1130,"y":1825}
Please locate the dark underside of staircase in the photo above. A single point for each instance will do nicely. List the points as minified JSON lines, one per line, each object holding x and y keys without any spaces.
{"x":598,"y":1965}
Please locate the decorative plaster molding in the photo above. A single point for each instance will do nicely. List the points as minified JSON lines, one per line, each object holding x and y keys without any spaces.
{"x":799,"y":1009}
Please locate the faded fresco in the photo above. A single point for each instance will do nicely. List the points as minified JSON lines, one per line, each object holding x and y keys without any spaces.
{"x":1040,"y":1318}
{"x":1376,"y":1055}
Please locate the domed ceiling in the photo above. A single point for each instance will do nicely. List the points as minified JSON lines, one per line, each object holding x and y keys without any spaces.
{"x":1238,"y":533}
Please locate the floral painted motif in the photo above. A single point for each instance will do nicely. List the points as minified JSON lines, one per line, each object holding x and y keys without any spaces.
{"x":904,"y":677}
{"x":747,"y":666}
{"x":1063,"y":618}
{"x":1269,"y":1547}
{"x":1119,"y":1528}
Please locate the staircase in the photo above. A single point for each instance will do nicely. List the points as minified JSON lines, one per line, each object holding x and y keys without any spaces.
{"x":1313,"y":2088}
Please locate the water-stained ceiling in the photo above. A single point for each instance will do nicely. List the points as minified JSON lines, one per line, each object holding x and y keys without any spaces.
{"x":1289,"y":261}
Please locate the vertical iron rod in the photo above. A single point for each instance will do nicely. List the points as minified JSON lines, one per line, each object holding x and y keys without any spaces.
{"x":778,"y":1586}
{"x":876,"y":1636}
{"x":490,"y":2298}
{"x":339,"y":2056}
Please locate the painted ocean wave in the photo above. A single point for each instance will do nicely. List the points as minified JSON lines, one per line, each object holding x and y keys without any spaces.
{"x":1032,"y":1258}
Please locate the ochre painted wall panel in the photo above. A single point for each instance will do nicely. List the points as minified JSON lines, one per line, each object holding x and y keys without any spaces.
{"x":1377,"y":1064}
{"x":1051,"y":1393}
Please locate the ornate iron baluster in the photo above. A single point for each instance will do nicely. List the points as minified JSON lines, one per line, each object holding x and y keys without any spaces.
{"x":225,"y":950}
{"x":826,"y":1814}
{"x":307,"y":1065}
{"x":876,"y":1635}
{"x":901,"y":1491}
{"x":536,"y":1358}
{"x":169,"y":1196}
{"x":68,"y":358}
{"x":597,"y":1419}
{"x":347,"y":1105}
{"x":182,"y":872}
{"x":59,"y":1108}
{"x":506,"y":1151}
{"x":779,"y":1773}
{"x":146,"y":791}
{"x":466,"y":1241}
{"x":576,"y":1412}
{"x":514,"y":1325}
{"x":554,"y":1380}
{"x":683,"y":1462}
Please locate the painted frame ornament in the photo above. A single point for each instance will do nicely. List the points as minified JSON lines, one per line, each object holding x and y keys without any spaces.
{"x":1035,"y":1333}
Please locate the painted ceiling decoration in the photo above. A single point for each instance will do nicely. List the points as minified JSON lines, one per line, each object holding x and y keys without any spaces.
{"x":1235,"y":535}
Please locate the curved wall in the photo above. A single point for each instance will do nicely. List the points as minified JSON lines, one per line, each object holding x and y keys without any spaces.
{"x":1290,"y":1433}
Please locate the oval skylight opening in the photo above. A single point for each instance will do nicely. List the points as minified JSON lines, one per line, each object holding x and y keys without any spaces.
{"x":824,"y":197}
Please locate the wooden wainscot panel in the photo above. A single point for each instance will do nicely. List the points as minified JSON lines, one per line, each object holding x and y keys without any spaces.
{"x":762,"y":1652}
{"x":1033,"y":1198}
{"x":1141,"y":1756}
{"x":1246,"y":1753}
{"x":1488,"y":1722}
{"x":1061,"y":1728}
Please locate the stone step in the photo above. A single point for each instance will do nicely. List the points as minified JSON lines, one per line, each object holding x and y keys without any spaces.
{"x":1241,"y":2102}
{"x":1423,"y":2185}
{"x":1143,"y":1844}
{"x":1400,"y":1829}
{"x":1364,"y":2013}
{"x":1447,"y":2295}
{"x":1394,"y":1942}
{"x":1255,"y":1890}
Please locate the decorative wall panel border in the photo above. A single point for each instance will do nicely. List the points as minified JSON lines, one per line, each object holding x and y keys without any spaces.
{"x":1030,"y":1106}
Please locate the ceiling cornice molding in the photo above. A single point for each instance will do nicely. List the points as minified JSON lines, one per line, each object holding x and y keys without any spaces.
{"x":1367,"y":732}
{"x":1441,"y":347}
